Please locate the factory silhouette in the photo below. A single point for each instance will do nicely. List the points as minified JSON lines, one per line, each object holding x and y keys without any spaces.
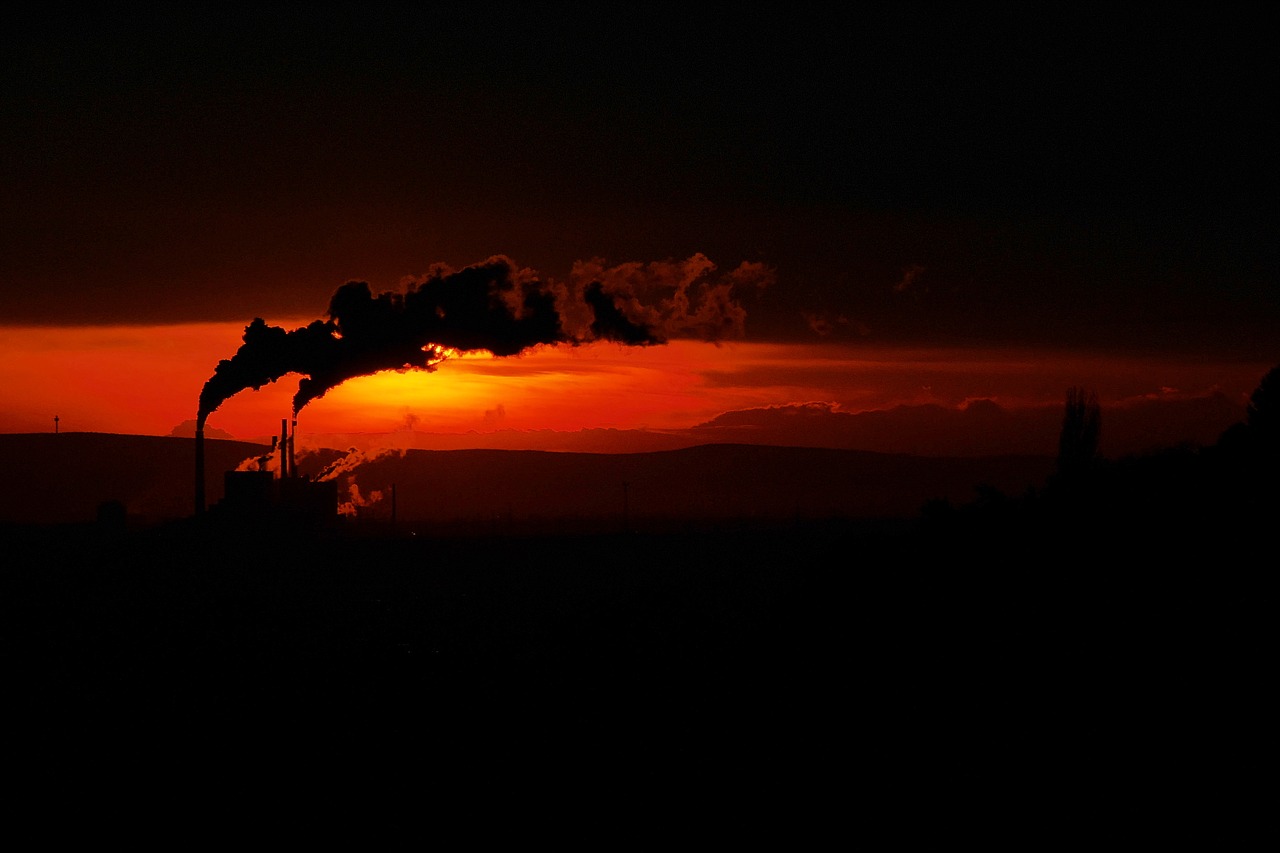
{"x":494,"y":306}
{"x":282,"y":495}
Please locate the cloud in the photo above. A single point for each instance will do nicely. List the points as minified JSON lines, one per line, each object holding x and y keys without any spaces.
{"x":824,"y":323}
{"x":187,"y":429}
{"x":978,"y":429}
{"x":495,"y":416}
{"x":910,"y":275}
{"x":676,"y":299}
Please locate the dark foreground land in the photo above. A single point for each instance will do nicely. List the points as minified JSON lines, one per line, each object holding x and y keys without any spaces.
{"x":809,"y":673}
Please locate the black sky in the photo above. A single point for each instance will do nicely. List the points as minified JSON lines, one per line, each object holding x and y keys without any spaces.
{"x":1064,"y":174}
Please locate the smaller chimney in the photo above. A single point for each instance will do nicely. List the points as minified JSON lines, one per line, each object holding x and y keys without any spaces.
{"x":200,"y":496}
{"x":284,"y":448}
{"x":293,"y":462}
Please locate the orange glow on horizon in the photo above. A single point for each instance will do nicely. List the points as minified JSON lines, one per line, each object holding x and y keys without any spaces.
{"x":146,"y":380}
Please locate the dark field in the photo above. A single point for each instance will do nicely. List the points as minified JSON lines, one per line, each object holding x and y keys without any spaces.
{"x":986,"y":664}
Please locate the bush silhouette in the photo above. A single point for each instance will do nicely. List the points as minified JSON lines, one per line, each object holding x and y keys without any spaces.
{"x":1081,"y":427}
{"x":1262,"y":415}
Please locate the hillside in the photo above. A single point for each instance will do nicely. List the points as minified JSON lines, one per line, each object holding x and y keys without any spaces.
{"x":65,"y":478}
{"x":60,"y":478}
{"x":1101,"y":638}
{"x":707,"y":482}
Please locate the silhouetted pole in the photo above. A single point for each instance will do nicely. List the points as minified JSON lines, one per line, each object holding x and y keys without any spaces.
{"x":55,"y":424}
{"x":284,"y":448}
{"x":199,"y":469}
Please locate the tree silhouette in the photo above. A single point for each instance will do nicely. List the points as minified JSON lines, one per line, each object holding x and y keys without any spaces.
{"x":1263,"y":412}
{"x":1081,"y":425}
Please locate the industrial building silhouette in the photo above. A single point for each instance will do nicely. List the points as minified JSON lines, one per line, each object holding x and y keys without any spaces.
{"x":279,"y":495}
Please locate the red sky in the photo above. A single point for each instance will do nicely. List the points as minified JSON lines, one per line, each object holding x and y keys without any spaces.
{"x":146,"y":380}
{"x":953,"y":204}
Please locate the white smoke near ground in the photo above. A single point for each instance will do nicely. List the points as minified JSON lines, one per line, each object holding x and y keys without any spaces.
{"x":357,"y":500}
{"x":269,"y":461}
{"x":347,"y":467}
{"x":353,"y":459}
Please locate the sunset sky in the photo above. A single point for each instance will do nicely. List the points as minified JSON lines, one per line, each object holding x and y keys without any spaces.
{"x":888,"y":206}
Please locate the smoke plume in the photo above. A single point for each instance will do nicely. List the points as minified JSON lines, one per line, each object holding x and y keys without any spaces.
{"x":355,"y":458}
{"x":494,"y":306}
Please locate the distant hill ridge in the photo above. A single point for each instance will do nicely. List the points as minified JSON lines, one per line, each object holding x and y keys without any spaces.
{"x":65,"y":477}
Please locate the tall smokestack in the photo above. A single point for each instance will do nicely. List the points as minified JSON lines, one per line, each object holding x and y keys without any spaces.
{"x":199,"y":468}
{"x":284,"y":448}
{"x":293,"y":460}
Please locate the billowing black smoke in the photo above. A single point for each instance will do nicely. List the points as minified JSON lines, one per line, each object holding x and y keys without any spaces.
{"x":494,"y":306}
{"x":491,"y":306}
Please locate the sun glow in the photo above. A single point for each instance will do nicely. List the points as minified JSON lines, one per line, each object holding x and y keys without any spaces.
{"x":590,"y":386}
{"x":146,"y":380}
